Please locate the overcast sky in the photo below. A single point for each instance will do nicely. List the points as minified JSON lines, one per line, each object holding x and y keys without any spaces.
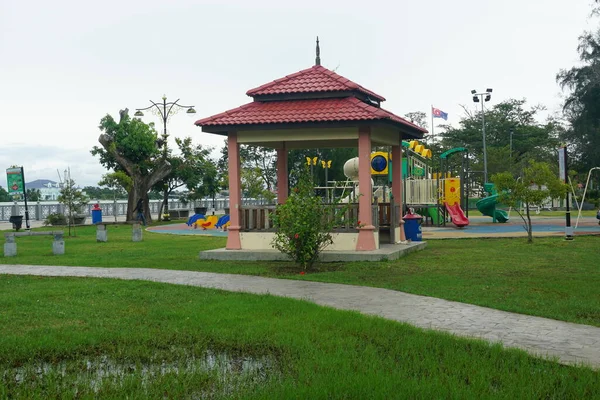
{"x":66,"y":64}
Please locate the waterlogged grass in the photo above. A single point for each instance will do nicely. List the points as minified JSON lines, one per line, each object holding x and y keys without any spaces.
{"x":551,"y":278}
{"x":74,"y":337}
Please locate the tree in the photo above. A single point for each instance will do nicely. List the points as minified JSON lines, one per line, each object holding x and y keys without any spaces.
{"x":536,"y":184}
{"x":418,"y":118}
{"x":582,"y":105}
{"x":4,"y":196}
{"x":191,"y":168}
{"x":131,"y":146}
{"x":119,"y":183}
{"x":531,"y":139}
{"x":262,"y":163}
{"x":252,"y":184}
{"x":34,"y":194}
{"x":73,"y":199}
{"x":337,"y":156}
{"x":262,"y":160}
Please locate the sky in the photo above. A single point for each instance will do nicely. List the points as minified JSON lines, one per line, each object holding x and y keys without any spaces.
{"x":66,"y":64}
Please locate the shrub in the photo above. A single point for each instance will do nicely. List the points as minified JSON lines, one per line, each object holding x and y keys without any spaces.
{"x":304,"y":223}
{"x":55,"y":219}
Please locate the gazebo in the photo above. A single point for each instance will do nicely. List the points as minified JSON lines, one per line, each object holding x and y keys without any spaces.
{"x":312,"y":108}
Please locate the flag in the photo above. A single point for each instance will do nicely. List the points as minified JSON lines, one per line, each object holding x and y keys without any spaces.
{"x":437,"y":113}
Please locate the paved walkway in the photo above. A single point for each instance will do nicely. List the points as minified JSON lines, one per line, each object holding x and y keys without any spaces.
{"x":571,"y":343}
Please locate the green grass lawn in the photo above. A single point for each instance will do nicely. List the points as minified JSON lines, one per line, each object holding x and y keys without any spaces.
{"x":550,"y":278}
{"x":86,"y":338}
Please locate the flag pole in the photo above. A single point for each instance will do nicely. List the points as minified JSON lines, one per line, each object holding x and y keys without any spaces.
{"x":432,"y":128}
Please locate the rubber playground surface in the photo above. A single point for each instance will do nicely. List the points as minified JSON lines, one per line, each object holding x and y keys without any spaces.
{"x":482,"y":226}
{"x":183,"y":229}
{"x":479,"y":226}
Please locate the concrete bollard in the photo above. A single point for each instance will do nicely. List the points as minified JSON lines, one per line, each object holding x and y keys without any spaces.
{"x":101,"y":233}
{"x":136,"y":234}
{"x":58,"y":245}
{"x":10,"y":246}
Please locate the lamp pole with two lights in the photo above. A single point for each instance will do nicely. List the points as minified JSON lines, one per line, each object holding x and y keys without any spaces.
{"x":164,"y":110}
{"x":479,"y":97}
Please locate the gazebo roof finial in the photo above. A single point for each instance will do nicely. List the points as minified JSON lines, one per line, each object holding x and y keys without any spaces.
{"x":318,"y":59}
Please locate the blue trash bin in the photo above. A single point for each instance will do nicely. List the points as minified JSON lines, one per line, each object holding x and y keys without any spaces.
{"x":96,"y":214}
{"x":412,"y":227}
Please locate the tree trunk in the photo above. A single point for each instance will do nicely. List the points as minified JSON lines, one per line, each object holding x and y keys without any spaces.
{"x":165,"y":203}
{"x":529,"y":230}
{"x":161,"y":212}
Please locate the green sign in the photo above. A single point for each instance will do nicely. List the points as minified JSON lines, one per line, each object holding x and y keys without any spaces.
{"x":418,"y":171}
{"x":14,"y":180}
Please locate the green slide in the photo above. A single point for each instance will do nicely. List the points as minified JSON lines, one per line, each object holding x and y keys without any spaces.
{"x":433,"y":213}
{"x":487,"y":206}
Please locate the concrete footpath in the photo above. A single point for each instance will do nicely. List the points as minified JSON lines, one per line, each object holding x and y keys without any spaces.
{"x":570,"y":343}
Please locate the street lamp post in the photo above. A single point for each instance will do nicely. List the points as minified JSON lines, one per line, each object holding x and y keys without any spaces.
{"x":165,"y":109}
{"x":479,"y":97}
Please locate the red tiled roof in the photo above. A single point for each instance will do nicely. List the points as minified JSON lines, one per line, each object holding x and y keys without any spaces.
{"x":314,"y":79}
{"x":298,"y":111}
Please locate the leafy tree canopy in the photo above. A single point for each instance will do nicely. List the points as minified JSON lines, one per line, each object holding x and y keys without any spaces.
{"x":582,"y":104}
{"x":531,"y":139}
{"x":131,"y":146}
{"x":132,"y":139}
{"x":537,"y":183}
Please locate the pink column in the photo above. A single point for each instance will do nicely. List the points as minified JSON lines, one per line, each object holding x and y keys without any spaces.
{"x":282,"y":175}
{"x":397,"y":184}
{"x":366,"y":238}
{"x":235,"y":192}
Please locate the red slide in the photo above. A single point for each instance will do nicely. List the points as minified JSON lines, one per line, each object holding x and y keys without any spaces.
{"x":457,"y":214}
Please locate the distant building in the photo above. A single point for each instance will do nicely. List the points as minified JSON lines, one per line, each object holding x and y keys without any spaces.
{"x":49,"y":190}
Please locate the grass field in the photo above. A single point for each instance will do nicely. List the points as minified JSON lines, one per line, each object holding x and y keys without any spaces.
{"x":551,"y":278}
{"x":89,"y":338}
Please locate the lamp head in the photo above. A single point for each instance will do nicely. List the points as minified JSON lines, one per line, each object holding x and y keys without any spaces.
{"x":138,"y":113}
{"x":475,"y":99}
{"x":190,"y":112}
{"x":473,"y":91}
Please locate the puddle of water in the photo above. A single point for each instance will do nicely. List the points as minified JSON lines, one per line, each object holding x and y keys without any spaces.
{"x":231,"y":371}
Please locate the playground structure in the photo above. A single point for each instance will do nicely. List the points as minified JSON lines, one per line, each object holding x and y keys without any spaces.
{"x":438,"y":195}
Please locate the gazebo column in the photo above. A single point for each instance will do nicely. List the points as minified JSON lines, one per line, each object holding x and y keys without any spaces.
{"x":397,"y":185}
{"x":366,"y":237}
{"x":235,"y":192}
{"x":282,"y":175}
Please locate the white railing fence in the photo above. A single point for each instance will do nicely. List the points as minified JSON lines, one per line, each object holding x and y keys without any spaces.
{"x":421,"y":191}
{"x":40,"y":210}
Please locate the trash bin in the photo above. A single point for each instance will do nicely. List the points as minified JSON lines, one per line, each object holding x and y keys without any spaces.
{"x":17,"y":221}
{"x":200,"y":210}
{"x":96,"y":214}
{"x":412,"y":226}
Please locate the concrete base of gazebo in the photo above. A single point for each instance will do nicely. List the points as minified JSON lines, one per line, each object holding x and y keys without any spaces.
{"x":386,"y":252}
{"x":342,"y":241}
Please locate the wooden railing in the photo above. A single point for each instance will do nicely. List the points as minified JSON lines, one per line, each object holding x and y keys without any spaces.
{"x":256,"y":218}
{"x":259,"y":218}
